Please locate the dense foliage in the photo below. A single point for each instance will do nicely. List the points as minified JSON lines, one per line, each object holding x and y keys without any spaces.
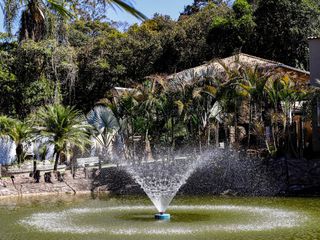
{"x":95,"y":56}
{"x":243,"y":107}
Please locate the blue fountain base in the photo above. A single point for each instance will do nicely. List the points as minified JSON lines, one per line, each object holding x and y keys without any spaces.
{"x":162,"y":216}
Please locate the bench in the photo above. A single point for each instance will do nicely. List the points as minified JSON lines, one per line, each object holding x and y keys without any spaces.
{"x":90,"y":161}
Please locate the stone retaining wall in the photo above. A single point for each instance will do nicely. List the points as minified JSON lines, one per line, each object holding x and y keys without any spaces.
{"x":252,"y":177}
{"x":246,"y":177}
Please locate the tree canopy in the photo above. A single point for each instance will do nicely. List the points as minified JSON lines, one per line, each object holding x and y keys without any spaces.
{"x":80,"y":62}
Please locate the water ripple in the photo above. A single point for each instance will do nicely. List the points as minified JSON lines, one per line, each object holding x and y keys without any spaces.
{"x":265,"y":218}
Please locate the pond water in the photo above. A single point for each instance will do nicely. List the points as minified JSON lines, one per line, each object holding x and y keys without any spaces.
{"x":132,"y":217}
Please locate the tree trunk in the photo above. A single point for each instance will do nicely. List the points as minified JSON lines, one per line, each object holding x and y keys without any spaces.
{"x":274,"y":137}
{"x":199,"y":136}
{"x":232,"y":136}
{"x":148,"y":153}
{"x":226,"y":135}
{"x":217,"y":134}
{"x":73,"y":167}
{"x":132,"y":150}
{"x":34,"y":166}
{"x":301,"y":138}
{"x":19,"y":152}
{"x":100,"y":164}
{"x":55,"y":167}
{"x":32,"y":22}
{"x":236,"y":142}
{"x":250,"y":123}
{"x":172,"y":135}
{"x":209,"y":133}
{"x":276,"y":140}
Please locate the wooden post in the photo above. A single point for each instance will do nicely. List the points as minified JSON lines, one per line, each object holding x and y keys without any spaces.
{"x":0,"y":170}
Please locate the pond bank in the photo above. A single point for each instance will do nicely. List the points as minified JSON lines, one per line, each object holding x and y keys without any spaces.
{"x":240,"y":177}
{"x":24,"y":185}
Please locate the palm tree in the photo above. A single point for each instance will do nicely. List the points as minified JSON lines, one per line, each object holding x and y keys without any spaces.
{"x":35,"y":14}
{"x":19,"y":132}
{"x":253,"y":82}
{"x":229,"y":97}
{"x":126,"y":111}
{"x":63,"y":127}
{"x":106,"y":126}
{"x":282,"y":93}
{"x":150,"y":101}
{"x":194,"y":103}
{"x":272,"y":89}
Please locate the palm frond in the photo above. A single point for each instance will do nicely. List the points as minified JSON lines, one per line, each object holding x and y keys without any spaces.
{"x":210,"y":90}
{"x":102,"y":117}
{"x":62,"y":126}
{"x":127,"y":7}
{"x":180,"y":106}
{"x":196,"y":93}
{"x":5,"y":123}
{"x":10,"y":10}
{"x":59,"y":8}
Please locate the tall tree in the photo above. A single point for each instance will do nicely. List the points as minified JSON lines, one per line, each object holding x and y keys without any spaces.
{"x":283,"y":27}
{"x":7,"y":84}
{"x":35,"y":14}
{"x":197,"y":5}
{"x":232,"y":31}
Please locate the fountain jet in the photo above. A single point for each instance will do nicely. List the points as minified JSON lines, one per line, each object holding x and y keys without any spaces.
{"x":161,"y":179}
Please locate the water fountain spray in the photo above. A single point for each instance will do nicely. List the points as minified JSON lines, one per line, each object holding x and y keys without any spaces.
{"x":161,"y":179}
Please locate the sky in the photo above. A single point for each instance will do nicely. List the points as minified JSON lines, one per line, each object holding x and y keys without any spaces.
{"x":147,"y":7}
